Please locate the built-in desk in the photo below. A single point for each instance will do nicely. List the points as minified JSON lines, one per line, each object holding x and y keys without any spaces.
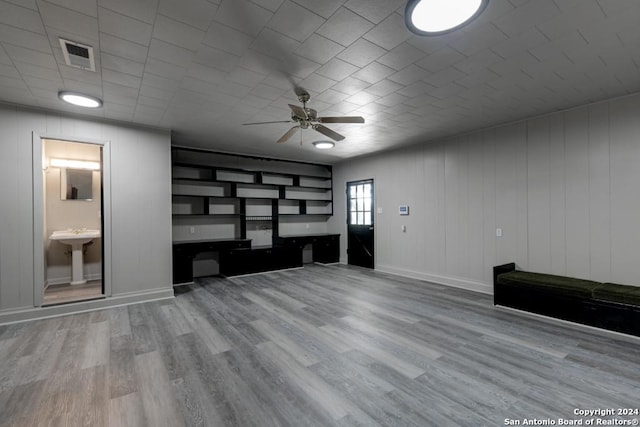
{"x":185,"y":251}
{"x":326,"y":247}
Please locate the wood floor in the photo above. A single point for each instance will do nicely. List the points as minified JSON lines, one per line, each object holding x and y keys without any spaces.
{"x":320,"y":346}
{"x":64,"y":293}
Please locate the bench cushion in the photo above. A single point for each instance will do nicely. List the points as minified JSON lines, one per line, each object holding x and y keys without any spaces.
{"x":613,"y":292}
{"x":568,"y":286}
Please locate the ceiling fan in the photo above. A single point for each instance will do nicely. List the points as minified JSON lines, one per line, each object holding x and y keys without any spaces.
{"x":308,"y":118}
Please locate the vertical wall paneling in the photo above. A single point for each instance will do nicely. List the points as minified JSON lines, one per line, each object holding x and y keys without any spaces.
{"x":599,"y":193}
{"x":141,"y":204}
{"x":577,"y":196}
{"x":488,"y":204}
{"x":625,"y":203}
{"x":538,"y":197}
{"x":557,"y":196}
{"x":562,"y":188}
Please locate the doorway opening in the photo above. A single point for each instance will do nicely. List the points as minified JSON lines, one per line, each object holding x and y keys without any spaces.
{"x":360,"y":224}
{"x":73,"y":226}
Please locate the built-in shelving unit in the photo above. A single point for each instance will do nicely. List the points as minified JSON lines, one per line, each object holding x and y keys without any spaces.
{"x":217,"y":195}
{"x":246,"y":210}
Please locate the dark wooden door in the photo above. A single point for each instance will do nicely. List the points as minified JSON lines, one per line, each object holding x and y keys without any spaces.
{"x":360,"y":227}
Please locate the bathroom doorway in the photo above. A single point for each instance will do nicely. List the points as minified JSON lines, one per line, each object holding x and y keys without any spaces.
{"x":72,"y":206}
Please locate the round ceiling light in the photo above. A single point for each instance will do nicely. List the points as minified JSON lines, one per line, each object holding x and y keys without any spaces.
{"x":435,"y":17}
{"x":80,"y":100}
{"x":323,"y":145}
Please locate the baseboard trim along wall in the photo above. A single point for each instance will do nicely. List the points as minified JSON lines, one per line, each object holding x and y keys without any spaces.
{"x":36,"y":313}
{"x":455,"y":282}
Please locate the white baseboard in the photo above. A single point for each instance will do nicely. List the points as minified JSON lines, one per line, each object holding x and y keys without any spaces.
{"x":35,"y":313}
{"x":455,"y":282}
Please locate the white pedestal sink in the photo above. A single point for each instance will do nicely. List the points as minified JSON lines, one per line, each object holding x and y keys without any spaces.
{"x":75,"y":239}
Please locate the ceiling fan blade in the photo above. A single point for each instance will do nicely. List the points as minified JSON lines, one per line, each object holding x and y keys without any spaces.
{"x":264,"y":123}
{"x":344,"y":119}
{"x":298,"y":111}
{"x":328,"y":132}
{"x":289,"y":134}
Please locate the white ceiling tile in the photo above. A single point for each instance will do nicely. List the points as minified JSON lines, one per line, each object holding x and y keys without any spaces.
{"x":389,"y":33}
{"x":345,"y":27}
{"x":121,"y":78}
{"x":123,"y":48}
{"x":9,"y":70}
{"x":119,"y":94}
{"x":21,"y":17}
{"x":514,"y":45}
{"x":331,"y":96}
{"x":243,"y":15}
{"x":444,"y":58}
{"x":296,"y":66}
{"x":177,"y":33}
{"x":164,"y":69}
{"x":22,"y":38}
{"x":295,"y":21}
{"x":337,"y":69}
{"x":374,"y":72}
{"x":478,"y":39}
{"x":444,"y":77}
{"x":317,"y":83}
{"x":383,"y":88}
{"x":228,"y":39}
{"x":160,"y":82}
{"x":36,"y":71}
{"x":526,"y":16}
{"x":374,"y":10}
{"x":408,"y":75}
{"x":124,"y":27}
{"x":417,"y":89}
{"x":319,"y":49}
{"x":157,"y":93}
{"x":324,"y":8}
{"x":142,"y":10}
{"x":76,"y":74}
{"x":361,"y":53}
{"x":275,"y":44}
{"x":556,"y":49}
{"x":351,"y":85}
{"x":86,"y":7}
{"x":20,"y":54}
{"x":206,"y":73}
{"x":68,"y":20}
{"x":196,"y":13}
{"x":271,"y":5}
{"x":572,"y":19}
{"x":401,"y":56}
{"x":171,"y":53}
{"x":123,"y":65}
{"x":478,"y":62}
{"x":246,"y":77}
{"x":267,"y":92}
{"x":362,"y":98}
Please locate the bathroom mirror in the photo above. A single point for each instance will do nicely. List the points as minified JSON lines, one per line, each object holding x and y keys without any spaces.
{"x":76,"y":184}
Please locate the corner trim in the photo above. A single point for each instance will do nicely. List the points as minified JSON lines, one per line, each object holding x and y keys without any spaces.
{"x":37,"y":313}
{"x":455,"y":282}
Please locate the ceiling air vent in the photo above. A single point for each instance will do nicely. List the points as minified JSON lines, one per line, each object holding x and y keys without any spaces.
{"x":78,"y":55}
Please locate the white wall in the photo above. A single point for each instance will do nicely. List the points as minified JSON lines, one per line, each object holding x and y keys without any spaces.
{"x":562,"y":187}
{"x":140,"y":202}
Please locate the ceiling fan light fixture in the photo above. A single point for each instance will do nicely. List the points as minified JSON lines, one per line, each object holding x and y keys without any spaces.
{"x":80,"y":99}
{"x":323,"y":145}
{"x":435,"y":17}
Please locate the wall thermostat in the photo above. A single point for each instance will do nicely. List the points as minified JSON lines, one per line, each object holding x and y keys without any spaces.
{"x":404,"y":210}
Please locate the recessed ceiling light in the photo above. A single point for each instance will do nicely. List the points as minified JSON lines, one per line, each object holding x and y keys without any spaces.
{"x":80,"y":99}
{"x":434,"y":17}
{"x":323,"y":145}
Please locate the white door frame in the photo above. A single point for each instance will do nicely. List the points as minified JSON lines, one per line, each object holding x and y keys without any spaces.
{"x":38,"y":212}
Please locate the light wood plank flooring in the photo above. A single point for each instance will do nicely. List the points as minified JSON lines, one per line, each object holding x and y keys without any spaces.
{"x":64,"y":293}
{"x":320,"y":346}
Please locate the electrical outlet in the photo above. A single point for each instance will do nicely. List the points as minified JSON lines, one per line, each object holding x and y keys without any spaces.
{"x":192,"y":230}
{"x":498,"y":232}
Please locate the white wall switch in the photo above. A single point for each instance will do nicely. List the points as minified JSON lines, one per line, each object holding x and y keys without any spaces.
{"x":379,"y":210}
{"x":498,"y":232}
{"x":192,"y":230}
{"x":404,"y":228}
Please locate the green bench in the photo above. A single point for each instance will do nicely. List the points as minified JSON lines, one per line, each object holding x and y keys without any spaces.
{"x":606,"y":305}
